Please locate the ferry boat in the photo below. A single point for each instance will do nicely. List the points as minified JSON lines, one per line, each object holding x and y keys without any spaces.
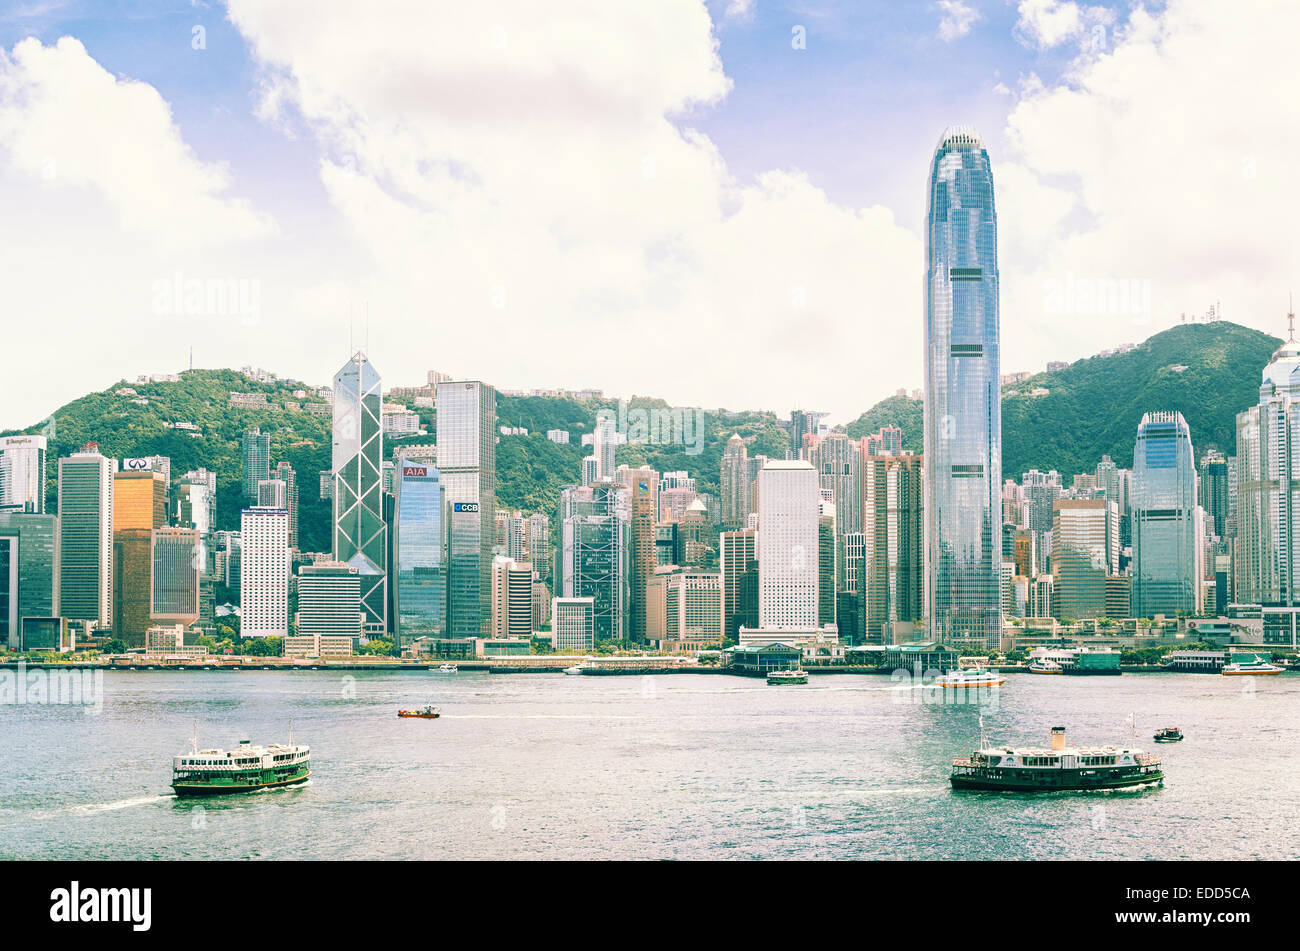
{"x":977,"y":677}
{"x":787,"y":677}
{"x":1257,"y":668}
{"x":1044,"y":666}
{"x":426,"y":712}
{"x":1168,"y":734}
{"x":1057,"y":767}
{"x":246,"y":769}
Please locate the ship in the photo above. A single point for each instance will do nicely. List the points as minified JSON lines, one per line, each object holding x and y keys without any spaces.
{"x":1044,"y":666}
{"x":1056,"y":767}
{"x":777,"y":677}
{"x":1168,"y":734}
{"x":444,"y":669}
{"x":1257,"y":668}
{"x":427,"y":712}
{"x":973,"y":677}
{"x":246,"y":769}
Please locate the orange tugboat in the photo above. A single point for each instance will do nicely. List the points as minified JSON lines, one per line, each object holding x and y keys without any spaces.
{"x":427,"y":712}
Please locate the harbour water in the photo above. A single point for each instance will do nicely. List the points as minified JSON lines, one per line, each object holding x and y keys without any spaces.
{"x":667,"y":767}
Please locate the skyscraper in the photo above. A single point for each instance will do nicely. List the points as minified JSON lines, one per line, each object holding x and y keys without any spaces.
{"x":642,"y":531}
{"x":1167,"y":532}
{"x":737,"y":558}
{"x":1214,"y":491}
{"x":264,"y":573}
{"x":284,"y":472}
{"x":86,"y":537}
{"x":893,"y":546}
{"x":360,"y":533}
{"x":512,"y":599}
{"x":174,"y":598}
{"x":32,"y":545}
{"x":257,"y":460}
{"x":466,"y":433}
{"x":1085,"y":552}
{"x":594,"y":554}
{"x":419,"y":554}
{"x":963,"y":412}
{"x":22,"y":473}
{"x":788,"y":509}
{"x":734,"y":477}
{"x":139,"y":507}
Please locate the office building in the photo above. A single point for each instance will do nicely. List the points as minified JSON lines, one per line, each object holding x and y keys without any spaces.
{"x":257,"y":460}
{"x":512,"y":599}
{"x":788,"y":512}
{"x":329,"y":601}
{"x":174,"y":598}
{"x":419,"y":554}
{"x":22,"y":473}
{"x":264,"y":572}
{"x":360,"y":532}
{"x":30,"y":577}
{"x":1166,"y":521}
{"x":86,"y":537}
{"x":573,"y":624}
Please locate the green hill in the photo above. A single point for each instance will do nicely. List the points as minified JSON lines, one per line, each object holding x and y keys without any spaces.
{"x":1207,"y":372}
{"x":1092,"y":408}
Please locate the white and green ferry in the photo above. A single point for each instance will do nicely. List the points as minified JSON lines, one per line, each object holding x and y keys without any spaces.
{"x":1056,"y":767}
{"x":246,"y":769}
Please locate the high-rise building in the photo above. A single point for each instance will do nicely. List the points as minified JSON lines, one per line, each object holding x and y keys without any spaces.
{"x":360,"y":533}
{"x":86,"y":537}
{"x":1167,"y":532}
{"x":273,"y":494}
{"x":1085,"y":552}
{"x":605,"y":438}
{"x":788,"y":511}
{"x":22,"y":473}
{"x":1214,"y":491}
{"x":573,"y":624}
{"x":894,"y":546}
{"x":539,"y":546}
{"x":30,"y":577}
{"x":594,"y":554}
{"x":174,"y":598}
{"x":329,"y":600}
{"x":419,"y":554}
{"x":284,"y":472}
{"x":257,"y":460}
{"x":827,"y":562}
{"x":738,"y":558}
{"x":642,"y":540}
{"x":264,"y":573}
{"x":963,"y":412}
{"x":512,"y":599}
{"x":735,"y":480}
{"x":139,"y":507}
{"x":466,"y":433}
{"x":195,"y":507}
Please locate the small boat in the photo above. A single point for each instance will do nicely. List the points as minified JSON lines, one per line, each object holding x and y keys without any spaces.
{"x":576,"y":669}
{"x":1257,"y":668}
{"x":777,"y":677}
{"x":976,"y":677}
{"x":1168,"y":734}
{"x":427,"y":712}
{"x":444,"y":669}
{"x":1044,"y":666}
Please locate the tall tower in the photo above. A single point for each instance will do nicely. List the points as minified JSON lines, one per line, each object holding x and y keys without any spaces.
{"x":86,"y":537}
{"x":963,"y":413}
{"x":1168,"y":530}
{"x":734,"y":478}
{"x":788,"y":509}
{"x":360,"y":535}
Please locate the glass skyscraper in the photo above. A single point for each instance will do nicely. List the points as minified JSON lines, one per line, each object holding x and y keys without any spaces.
{"x":420,"y":567}
{"x":963,"y":412}
{"x":360,"y":533}
{"x":467,"y":434}
{"x":1167,"y":528}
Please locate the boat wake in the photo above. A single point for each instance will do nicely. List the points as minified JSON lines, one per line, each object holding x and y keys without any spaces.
{"x":96,"y":808}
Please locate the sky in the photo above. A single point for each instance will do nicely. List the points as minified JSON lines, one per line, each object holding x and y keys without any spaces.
{"x":718,"y":203}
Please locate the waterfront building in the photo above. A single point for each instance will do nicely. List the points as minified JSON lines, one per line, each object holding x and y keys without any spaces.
{"x":22,"y":473}
{"x":738,"y":560}
{"x":419,"y":554}
{"x":86,"y":537}
{"x":788,"y":512}
{"x":139,"y":508}
{"x":264,"y":572}
{"x":573,"y":624}
{"x":174,"y":591}
{"x":29,"y":577}
{"x":360,"y":534}
{"x":1166,"y":522}
{"x":256,"y":448}
{"x":893,"y":539}
{"x":1085,"y":552}
{"x":466,"y":433}
{"x":329,"y":602}
{"x":963,"y":415}
{"x":512,"y":599}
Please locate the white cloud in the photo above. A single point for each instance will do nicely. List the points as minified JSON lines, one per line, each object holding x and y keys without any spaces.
{"x":958,"y":18}
{"x":1043,"y":24}
{"x":537,"y":209}
{"x":1146,"y":165}
{"x":65,"y":121}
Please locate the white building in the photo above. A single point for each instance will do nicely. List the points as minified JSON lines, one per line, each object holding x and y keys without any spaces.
{"x":788,"y":502}
{"x":264,"y":572}
{"x":573,"y":623}
{"x":22,"y":473}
